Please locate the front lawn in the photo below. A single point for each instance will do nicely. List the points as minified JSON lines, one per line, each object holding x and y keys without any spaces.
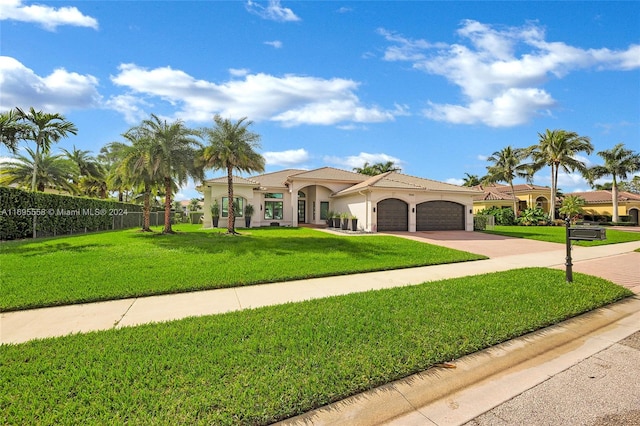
{"x":557,"y":234}
{"x":120,"y":264}
{"x":259,"y":366}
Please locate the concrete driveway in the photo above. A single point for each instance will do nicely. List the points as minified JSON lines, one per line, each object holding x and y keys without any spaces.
{"x":480,"y":243}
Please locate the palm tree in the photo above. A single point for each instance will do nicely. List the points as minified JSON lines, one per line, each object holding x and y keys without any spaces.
{"x":12,"y":130}
{"x":618,"y":163}
{"x":173,"y":154}
{"x":507,"y":165}
{"x":110,"y":157}
{"x":377,"y":168}
{"x":232,"y":147}
{"x":53,"y":171}
{"x":44,"y":129}
{"x":471,"y":180}
{"x":557,"y":149}
{"x":572,"y":206}
{"x":91,"y":175}
{"x":137,"y":168}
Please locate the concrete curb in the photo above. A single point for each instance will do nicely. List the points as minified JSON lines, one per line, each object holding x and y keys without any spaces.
{"x":483,"y":380}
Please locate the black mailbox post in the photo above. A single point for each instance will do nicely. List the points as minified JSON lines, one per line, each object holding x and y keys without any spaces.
{"x":584,"y":234}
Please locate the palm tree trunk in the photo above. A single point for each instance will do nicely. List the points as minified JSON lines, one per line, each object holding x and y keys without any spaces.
{"x":554,"y":190}
{"x":231,"y":214}
{"x":614,"y":199}
{"x":35,"y":167}
{"x":146,"y":209}
{"x":167,"y":206}
{"x":515,"y":200}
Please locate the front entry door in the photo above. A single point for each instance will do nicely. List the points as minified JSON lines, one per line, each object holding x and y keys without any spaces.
{"x":302,"y":214}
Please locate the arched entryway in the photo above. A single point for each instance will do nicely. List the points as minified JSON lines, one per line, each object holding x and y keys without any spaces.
{"x":633,"y":213}
{"x":440,"y":216}
{"x":393,"y":215}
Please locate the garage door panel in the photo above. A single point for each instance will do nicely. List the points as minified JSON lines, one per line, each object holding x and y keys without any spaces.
{"x":440,"y":216}
{"x":393,"y":215}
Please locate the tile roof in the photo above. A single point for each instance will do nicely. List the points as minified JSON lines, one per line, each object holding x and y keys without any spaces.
{"x":395,"y":180}
{"x":604,"y":196}
{"x":276,"y":179}
{"x":516,"y":188}
{"x":236,"y":180}
{"x":494,"y":196}
{"x":330,"y":173}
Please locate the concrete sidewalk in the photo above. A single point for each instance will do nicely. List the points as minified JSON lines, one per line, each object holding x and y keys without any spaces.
{"x":21,"y":326}
{"x":485,"y":382}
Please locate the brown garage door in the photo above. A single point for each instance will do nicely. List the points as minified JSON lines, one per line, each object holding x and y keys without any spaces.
{"x":439,"y":216}
{"x":393,"y":215}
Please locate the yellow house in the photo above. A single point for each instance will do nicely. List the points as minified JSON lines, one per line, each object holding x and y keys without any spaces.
{"x":528,"y":196}
{"x":600,"y":203}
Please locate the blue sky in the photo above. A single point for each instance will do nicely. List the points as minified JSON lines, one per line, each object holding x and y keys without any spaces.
{"x":434,"y":86}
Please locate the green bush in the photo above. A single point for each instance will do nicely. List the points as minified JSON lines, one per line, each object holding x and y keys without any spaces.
{"x":533,"y":217}
{"x":504,"y":217}
{"x":60,"y":214}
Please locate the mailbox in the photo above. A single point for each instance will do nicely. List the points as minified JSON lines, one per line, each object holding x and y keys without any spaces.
{"x":588,"y":234}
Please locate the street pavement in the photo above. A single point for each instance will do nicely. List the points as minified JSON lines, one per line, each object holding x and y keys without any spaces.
{"x":581,"y":372}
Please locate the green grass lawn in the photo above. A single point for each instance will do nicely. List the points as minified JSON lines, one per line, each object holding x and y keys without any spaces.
{"x":557,"y":234}
{"x":258,"y":366}
{"x":120,"y":264}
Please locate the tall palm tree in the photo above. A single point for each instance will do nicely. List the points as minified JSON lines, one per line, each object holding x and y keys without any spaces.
{"x":44,"y":129}
{"x":139,"y":169}
{"x":558,"y":149}
{"x":507,"y":165}
{"x":173,"y":152}
{"x":618,"y":163}
{"x":53,"y":171}
{"x":232,"y":147}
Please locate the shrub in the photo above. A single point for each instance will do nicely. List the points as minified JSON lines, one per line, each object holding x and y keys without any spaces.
{"x":503,"y":217}
{"x":533,"y":217}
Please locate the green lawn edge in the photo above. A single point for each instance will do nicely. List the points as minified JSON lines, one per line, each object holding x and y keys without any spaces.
{"x":259,"y":366}
{"x":557,"y":234}
{"x":126,"y":264}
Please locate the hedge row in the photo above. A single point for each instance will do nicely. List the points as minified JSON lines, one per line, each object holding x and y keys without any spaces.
{"x":60,"y":214}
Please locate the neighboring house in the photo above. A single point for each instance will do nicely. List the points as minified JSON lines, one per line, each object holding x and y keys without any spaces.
{"x":599,"y":203}
{"x":387,"y":202}
{"x":528,"y":196}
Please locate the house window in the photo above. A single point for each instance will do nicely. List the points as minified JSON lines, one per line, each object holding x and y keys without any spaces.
{"x":273,"y":195}
{"x":324,"y":210}
{"x":301,"y":194}
{"x":273,"y":210}
{"x":238,"y":206}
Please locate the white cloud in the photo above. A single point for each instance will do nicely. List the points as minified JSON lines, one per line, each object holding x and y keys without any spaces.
{"x":289,"y":158}
{"x":353,"y":161}
{"x":275,"y":44}
{"x":291,"y":100}
{"x":273,"y":11}
{"x":482,"y":157}
{"x":500,"y":70}
{"x":238,"y":72}
{"x":455,"y":181}
{"x":48,"y":17}
{"x":60,"y":91}
{"x":131,"y":107}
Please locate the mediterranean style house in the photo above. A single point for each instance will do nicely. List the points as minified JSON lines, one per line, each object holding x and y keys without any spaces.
{"x":527,"y":196}
{"x":387,"y":202}
{"x":600,"y":203}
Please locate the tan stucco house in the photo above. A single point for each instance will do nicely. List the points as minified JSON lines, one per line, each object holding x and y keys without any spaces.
{"x":387,"y":202}
{"x":528,"y":196}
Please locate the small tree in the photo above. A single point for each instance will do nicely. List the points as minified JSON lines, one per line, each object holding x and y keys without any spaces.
{"x":572,"y":206}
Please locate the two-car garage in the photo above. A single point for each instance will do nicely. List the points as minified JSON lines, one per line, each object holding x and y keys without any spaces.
{"x":439,"y":215}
